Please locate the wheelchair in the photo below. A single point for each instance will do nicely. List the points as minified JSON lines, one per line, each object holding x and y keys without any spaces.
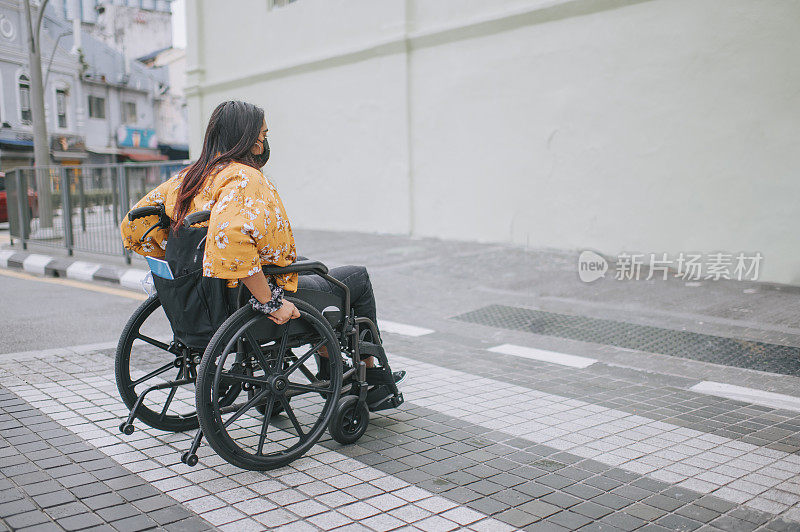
{"x":245,"y":383}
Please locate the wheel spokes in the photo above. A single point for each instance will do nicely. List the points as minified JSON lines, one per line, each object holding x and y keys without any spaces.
{"x":153,"y":373}
{"x":302,"y":367}
{"x":242,"y":378}
{"x":281,"y":349}
{"x":307,"y":372}
{"x":304,"y":358}
{"x":153,"y":341}
{"x":169,"y":400}
{"x":288,"y":385}
{"x":247,"y":406}
{"x":309,"y":388}
{"x":254,"y":345}
{"x":235,"y":340}
{"x":290,"y":413}
{"x":265,"y":425}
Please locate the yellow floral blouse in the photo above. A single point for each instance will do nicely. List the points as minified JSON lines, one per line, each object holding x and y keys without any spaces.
{"x":247,"y":229}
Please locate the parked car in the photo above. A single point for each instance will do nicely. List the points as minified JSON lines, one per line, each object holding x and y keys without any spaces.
{"x":33,"y":201}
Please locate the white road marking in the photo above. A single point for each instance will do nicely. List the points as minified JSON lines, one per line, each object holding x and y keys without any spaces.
{"x":82,"y":271}
{"x":553,"y":357}
{"x":35,"y":263}
{"x":402,"y":328}
{"x":748,"y":395}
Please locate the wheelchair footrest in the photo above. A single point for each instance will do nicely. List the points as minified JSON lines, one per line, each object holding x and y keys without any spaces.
{"x":389,"y":401}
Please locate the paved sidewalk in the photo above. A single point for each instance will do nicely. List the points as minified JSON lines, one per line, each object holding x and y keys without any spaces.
{"x":51,"y":479}
{"x":554,"y":422}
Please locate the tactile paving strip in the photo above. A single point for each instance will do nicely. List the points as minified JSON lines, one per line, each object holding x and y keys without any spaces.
{"x":734,"y":352}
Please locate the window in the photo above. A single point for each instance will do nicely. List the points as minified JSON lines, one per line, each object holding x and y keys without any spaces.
{"x":25,"y":99}
{"x":280,"y":3}
{"x":128,"y":112}
{"x":97,"y":107}
{"x":61,"y":107}
{"x":90,"y":13}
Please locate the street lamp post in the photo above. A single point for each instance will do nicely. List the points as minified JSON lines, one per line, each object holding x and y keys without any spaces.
{"x":52,"y":56}
{"x":41,"y":150}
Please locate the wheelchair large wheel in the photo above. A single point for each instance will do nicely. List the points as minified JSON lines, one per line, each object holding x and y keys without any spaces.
{"x":276,"y":359}
{"x":143,"y":361}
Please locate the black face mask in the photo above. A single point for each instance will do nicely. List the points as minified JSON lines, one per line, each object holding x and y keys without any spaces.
{"x":262,"y":159}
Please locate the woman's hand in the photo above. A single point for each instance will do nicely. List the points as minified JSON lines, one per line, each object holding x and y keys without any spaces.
{"x":287,"y":312}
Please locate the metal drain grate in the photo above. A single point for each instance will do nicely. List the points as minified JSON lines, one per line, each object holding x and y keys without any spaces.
{"x":734,"y":352}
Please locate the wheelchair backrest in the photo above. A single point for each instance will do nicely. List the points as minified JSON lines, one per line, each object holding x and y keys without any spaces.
{"x":195,"y":305}
{"x":185,"y":248}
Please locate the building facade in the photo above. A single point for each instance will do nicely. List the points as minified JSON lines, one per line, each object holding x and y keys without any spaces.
{"x":134,"y":27}
{"x":620,"y":125}
{"x":172,"y":112}
{"x":101,"y":106}
{"x":62,"y":71}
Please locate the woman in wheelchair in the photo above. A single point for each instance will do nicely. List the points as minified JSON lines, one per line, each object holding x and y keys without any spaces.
{"x":249,"y":239}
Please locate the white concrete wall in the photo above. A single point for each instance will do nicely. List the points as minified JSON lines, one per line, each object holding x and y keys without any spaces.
{"x":647,"y":126}
{"x":339,"y":132}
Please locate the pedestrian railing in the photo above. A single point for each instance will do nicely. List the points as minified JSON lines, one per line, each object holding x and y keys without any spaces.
{"x":79,"y":208}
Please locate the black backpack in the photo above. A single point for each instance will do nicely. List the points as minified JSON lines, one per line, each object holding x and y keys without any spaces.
{"x":195,"y":305}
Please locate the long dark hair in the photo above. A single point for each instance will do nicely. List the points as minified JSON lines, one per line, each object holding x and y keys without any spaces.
{"x":232,"y":131}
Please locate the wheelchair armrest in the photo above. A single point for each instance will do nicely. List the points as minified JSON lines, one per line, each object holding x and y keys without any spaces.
{"x":196,"y":218}
{"x":297,"y":266}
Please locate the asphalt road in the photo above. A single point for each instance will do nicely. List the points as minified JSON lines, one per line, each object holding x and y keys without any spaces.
{"x":44,"y":313}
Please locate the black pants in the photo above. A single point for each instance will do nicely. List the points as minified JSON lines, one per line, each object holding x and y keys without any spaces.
{"x":356,"y":278}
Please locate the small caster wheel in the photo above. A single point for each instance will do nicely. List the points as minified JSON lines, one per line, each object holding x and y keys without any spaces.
{"x":349,"y":421}
{"x":189,"y":459}
{"x":126,"y":428}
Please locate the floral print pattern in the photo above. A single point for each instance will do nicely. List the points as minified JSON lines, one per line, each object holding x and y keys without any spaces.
{"x":248,"y":227}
